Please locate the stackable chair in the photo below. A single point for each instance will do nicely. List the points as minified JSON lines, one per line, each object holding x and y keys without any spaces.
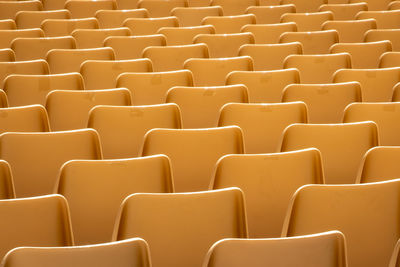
{"x":53,"y":4}
{"x":316,"y":42}
{"x":7,"y":24}
{"x":87,"y":9}
{"x":270,"y":14}
{"x":269,"y":33}
{"x":127,"y":4}
{"x":374,"y":4}
{"x":350,"y":31}
{"x":235,"y":7}
{"x":344,"y":11}
{"x":116,"y":18}
{"x":184,"y":35}
{"x":39,"y":66}
{"x":146,"y":26}
{"x":7,"y":55}
{"x":308,"y":21}
{"x":393,"y":35}
{"x":7,"y":36}
{"x":8,"y":9}
{"x":229,"y":24}
{"x":304,"y":5}
{"x":92,"y":38}
{"x":34,"y":19}
{"x":389,"y":60}
{"x":7,"y":185}
{"x":63,"y":27}
{"x":388,"y":19}
{"x":193,"y":16}
{"x":160,"y":8}
{"x":24,"y":119}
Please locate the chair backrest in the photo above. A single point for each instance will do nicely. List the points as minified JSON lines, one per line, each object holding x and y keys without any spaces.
{"x":374,"y":4}
{"x":270,"y":14}
{"x":34,"y":19}
{"x":7,"y":55}
{"x":193,"y":16}
{"x":7,"y":36}
{"x":389,"y":60}
{"x":345,"y":10}
{"x":350,"y":31}
{"x":24,"y":119}
{"x":63,"y":27}
{"x":92,"y":38}
{"x":87,"y":9}
{"x":308,"y":21}
{"x":388,"y":19}
{"x":146,"y":26}
{"x":315,"y":42}
{"x":7,"y":24}
{"x":305,"y":5}
{"x":8,"y":9}
{"x":116,"y":18}
{"x":234,"y":7}
{"x":184,"y":35}
{"x":395,"y":261}
{"x":35,"y":67}
{"x":6,"y":181}
{"x":229,"y":24}
{"x":161,"y":8}
{"x":269,"y":33}
{"x":393,"y":35}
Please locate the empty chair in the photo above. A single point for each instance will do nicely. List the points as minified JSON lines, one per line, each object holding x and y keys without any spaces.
{"x":151,"y":88}
{"x":305,"y":5}
{"x":393,"y":35}
{"x":394,"y":261}
{"x":270,"y":14}
{"x":224,"y":45}
{"x":8,"y":9}
{"x":7,"y":185}
{"x":37,"y":171}
{"x":269,"y":33}
{"x":168,"y":58}
{"x":6,"y":55}
{"x":374,"y":4}
{"x":69,"y":110}
{"x":318,"y":68}
{"x":3,"y":99}
{"x":264,"y":86}
{"x":39,"y":66}
{"x":34,"y":19}
{"x":234,"y":7}
{"x":213,"y":71}
{"x":123,"y":137}
{"x":262,"y":133}
{"x":193,"y":152}
{"x":229,"y":24}
{"x":394,"y":5}
{"x":270,"y":56}
{"x":92,"y":38}
{"x":200,"y":106}
{"x":259,"y":175}
{"x":389,"y":60}
{"x":7,"y":36}
{"x":39,"y":46}
{"x":376,"y":84}
{"x":39,"y":221}
{"x":7,"y":24}
{"x":24,"y":119}
{"x":342,"y":146}
{"x":308,"y":21}
{"x":127,"y":4}
{"x":193,"y":16}
{"x":70,"y":60}
{"x":93,"y":71}
{"x":344,"y":11}
{"x":116,"y":18}
{"x":353,"y":210}
{"x":184,"y":35}
{"x":131,"y":47}
{"x":146,"y":26}
{"x":160,"y":8}
{"x":316,"y":42}
{"x":63,"y":27}
{"x":389,"y":19}
{"x":24,"y":90}
{"x":87,"y":9}
{"x":396,"y":93}
{"x":325,"y":102}
{"x":350,"y":31}
{"x":95,"y":189}
{"x":132,"y":252}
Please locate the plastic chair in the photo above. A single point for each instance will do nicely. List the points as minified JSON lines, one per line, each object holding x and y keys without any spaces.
{"x":24,"y":119}
{"x":229,"y":24}
{"x":394,"y":261}
{"x":334,"y":141}
{"x":344,"y":11}
{"x":393,"y":35}
{"x":184,"y":35}
{"x":22,"y":67}
{"x":200,"y":106}
{"x":7,"y":185}
{"x":8,"y":9}
{"x":160,"y":8}
{"x":325,"y":102}
{"x":70,"y":60}
{"x":389,"y":60}
{"x":259,"y":175}
{"x":7,"y":24}
{"x":127,"y":4}
{"x":169,"y":58}
{"x":234,"y":7}
{"x":132,"y":252}
{"x":151,"y":88}
{"x":318,"y":68}
{"x":316,"y":42}
{"x":262,"y":133}
{"x":305,"y":5}
{"x":131,"y":47}
{"x":123,"y":137}
{"x":270,"y":14}
{"x":7,"y":36}
{"x":269,"y":33}
{"x":213,"y":71}
{"x":24,"y":90}
{"x":193,"y":16}
{"x":93,"y":71}
{"x":396,"y":93}
{"x":376,"y":84}
{"x":92,"y":38}
{"x":116,"y":18}
{"x":363,"y":55}
{"x":69,"y":110}
{"x":350,"y":31}
{"x":389,"y":19}
{"x":394,"y":5}
{"x":352,"y":209}
{"x":374,"y":4}
{"x":193,"y":152}
{"x":95,"y":190}
{"x":147,"y":26}
{"x":39,"y":46}
{"x":191,"y":223}
{"x":63,"y":27}
{"x":87,"y":9}
{"x":7,"y":55}
{"x":270,"y":56}
{"x":34,"y":19}
{"x":224,"y":45}
{"x":264,"y":86}
{"x":308,"y":21}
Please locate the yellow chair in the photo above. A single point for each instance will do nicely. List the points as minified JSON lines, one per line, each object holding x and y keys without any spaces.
{"x":350,"y":31}
{"x":87,"y":9}
{"x":63,"y":27}
{"x":388,"y":19}
{"x":323,"y":249}
{"x":270,"y":14}
{"x":95,"y":190}
{"x":147,"y":26}
{"x":69,"y":110}
{"x":70,"y":60}
{"x":34,"y":19}
{"x":234,"y":7}
{"x":7,"y":36}
{"x":344,"y":11}
{"x":374,"y":4}
{"x":394,"y":5}
{"x":7,"y":185}
{"x":184,"y":35}
{"x":264,"y":86}
{"x":161,"y":8}
{"x":305,"y":5}
{"x":200,"y":106}
{"x":36,"y":221}
{"x":325,"y":102}
{"x":24,"y":90}
{"x":396,"y":93}
{"x":362,"y":212}
{"x":318,"y":68}
{"x":342,"y":146}
{"x":132,"y":252}
{"x":169,"y":58}
{"x":224,"y":45}
{"x":363,"y":55}
{"x":316,"y":42}
{"x":151,"y":88}
{"x":123,"y":137}
{"x":131,"y":47}
{"x":393,"y":35}
{"x":93,"y":71}
{"x":269,"y":33}
{"x":213,"y":71}
{"x":260,"y":175}
{"x":193,"y":152}
{"x":7,"y":55}
{"x":92,"y":38}
{"x":389,"y":60}
{"x":191,"y":223}
{"x":39,"y":46}
{"x":262,"y":133}
{"x":193,"y":16}
{"x":127,"y":4}
{"x":270,"y":56}
{"x":7,"y":24}
{"x":116,"y":18}
{"x":24,"y":119}
{"x":394,"y":261}
{"x":308,"y":21}
{"x":8,"y":9}
{"x":376,"y":84}
{"x":39,"y":66}
{"x":229,"y":24}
